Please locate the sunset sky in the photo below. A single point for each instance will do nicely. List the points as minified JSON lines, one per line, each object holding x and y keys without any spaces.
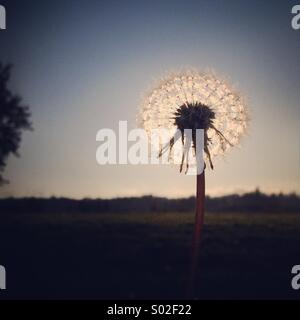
{"x":84,"y":65}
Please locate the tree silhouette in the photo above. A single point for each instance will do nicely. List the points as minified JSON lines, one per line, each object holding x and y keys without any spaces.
{"x":14,"y":118}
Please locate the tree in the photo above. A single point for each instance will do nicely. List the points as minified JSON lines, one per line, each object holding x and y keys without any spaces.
{"x":14,"y":118}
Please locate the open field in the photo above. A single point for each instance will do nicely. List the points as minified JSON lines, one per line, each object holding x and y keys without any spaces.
{"x":110,"y":256}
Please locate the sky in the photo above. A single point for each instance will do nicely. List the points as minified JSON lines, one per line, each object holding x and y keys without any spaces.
{"x":84,"y":65}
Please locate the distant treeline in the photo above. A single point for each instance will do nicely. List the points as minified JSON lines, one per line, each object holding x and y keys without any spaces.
{"x":250,"y":202}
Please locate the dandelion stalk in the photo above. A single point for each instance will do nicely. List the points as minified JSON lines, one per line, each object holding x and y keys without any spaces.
{"x":199,"y":221}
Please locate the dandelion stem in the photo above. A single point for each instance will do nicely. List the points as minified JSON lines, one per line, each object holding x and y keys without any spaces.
{"x":199,"y":220}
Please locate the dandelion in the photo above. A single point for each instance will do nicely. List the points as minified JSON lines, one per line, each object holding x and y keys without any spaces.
{"x":196,"y":100}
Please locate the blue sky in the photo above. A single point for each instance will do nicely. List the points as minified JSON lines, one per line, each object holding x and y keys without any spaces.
{"x":84,"y":65}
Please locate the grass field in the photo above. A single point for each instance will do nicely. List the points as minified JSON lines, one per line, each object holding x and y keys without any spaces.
{"x":146,"y":256}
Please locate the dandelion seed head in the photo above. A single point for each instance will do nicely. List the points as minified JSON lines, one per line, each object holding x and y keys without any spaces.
{"x":199,"y":92}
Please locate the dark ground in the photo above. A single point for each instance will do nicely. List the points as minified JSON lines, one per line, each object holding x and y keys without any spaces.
{"x":145,"y":256}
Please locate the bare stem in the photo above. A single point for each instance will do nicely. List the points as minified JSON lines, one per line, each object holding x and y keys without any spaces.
{"x":199,"y":220}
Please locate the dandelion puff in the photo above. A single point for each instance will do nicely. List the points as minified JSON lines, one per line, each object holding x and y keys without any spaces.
{"x":197,"y":100}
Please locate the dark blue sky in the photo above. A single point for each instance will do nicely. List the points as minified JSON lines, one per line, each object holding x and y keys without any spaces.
{"x":83,"y":65}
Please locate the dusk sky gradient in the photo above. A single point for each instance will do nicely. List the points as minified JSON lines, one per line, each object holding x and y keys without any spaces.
{"x":84,"y":65}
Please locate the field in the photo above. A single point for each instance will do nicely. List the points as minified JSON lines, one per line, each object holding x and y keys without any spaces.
{"x":146,"y":256}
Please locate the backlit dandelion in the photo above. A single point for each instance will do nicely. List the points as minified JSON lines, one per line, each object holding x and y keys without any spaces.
{"x":196,"y":100}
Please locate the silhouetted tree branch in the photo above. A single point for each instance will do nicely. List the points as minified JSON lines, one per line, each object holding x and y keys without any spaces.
{"x":14,"y":118}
